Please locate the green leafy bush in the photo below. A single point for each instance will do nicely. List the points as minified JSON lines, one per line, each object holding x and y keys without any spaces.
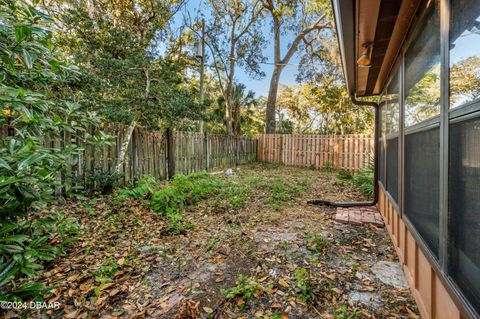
{"x":166,"y":198}
{"x":145,"y":187}
{"x":24,"y":245}
{"x":364,"y":180}
{"x":35,"y":109}
{"x":344,"y":175}
{"x":97,"y":179}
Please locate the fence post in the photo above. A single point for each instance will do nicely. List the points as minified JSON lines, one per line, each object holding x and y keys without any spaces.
{"x":205,"y":149}
{"x":236,"y":150}
{"x":134,"y":155}
{"x":281,"y":150}
{"x":335,"y":152}
{"x":170,"y":153}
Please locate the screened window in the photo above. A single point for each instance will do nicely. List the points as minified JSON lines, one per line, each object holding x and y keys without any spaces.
{"x":392,"y":167}
{"x":392,"y":125}
{"x":422,"y":69}
{"x":393,"y":106}
{"x":382,"y":141}
{"x":464,"y":52}
{"x":465,"y":206}
{"x":422,"y":178}
{"x":381,"y":167}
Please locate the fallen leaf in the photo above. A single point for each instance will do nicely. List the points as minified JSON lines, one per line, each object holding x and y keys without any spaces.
{"x":85,"y":287}
{"x":114,"y":292}
{"x":282,"y":282}
{"x":329,"y":276}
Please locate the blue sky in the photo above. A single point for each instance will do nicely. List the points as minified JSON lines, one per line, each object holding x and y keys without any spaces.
{"x":260,"y":87}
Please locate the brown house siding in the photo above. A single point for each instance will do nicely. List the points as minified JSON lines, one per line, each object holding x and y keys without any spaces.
{"x":432,"y":297}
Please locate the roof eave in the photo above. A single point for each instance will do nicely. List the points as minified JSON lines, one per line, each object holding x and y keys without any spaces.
{"x":344,"y":12}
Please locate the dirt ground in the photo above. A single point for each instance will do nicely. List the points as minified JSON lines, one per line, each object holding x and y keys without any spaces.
{"x":273,"y":257}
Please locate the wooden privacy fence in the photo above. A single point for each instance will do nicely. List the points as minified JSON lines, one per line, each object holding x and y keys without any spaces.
{"x":158,"y":154}
{"x":351,"y":152}
{"x":195,"y":152}
{"x":164,"y":154}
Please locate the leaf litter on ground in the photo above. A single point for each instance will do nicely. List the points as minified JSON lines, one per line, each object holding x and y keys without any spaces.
{"x":245,"y":247}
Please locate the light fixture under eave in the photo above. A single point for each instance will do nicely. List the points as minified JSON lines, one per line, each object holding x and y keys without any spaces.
{"x":365,"y":59}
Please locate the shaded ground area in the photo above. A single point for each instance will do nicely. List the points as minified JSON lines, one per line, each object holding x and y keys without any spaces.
{"x":260,"y":252}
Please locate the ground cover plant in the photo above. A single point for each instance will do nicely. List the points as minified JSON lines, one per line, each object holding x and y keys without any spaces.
{"x":222,"y":256}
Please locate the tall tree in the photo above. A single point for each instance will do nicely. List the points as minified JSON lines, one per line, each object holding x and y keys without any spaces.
{"x":305,"y":19}
{"x":233,"y":37}
{"x":113,"y":42}
{"x":243,"y":102}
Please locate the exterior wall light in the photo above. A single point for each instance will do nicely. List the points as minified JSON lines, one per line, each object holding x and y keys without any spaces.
{"x":365,"y":59}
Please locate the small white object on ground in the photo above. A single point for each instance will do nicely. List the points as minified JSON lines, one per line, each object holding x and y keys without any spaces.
{"x":229,"y":172}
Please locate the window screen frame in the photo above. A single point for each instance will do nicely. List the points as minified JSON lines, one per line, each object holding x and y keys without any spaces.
{"x":468,"y":110}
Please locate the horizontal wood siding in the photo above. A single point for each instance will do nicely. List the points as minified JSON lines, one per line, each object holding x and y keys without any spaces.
{"x":432,"y":296}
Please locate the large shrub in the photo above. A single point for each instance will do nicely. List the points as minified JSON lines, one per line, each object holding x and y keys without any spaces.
{"x":36,"y":107}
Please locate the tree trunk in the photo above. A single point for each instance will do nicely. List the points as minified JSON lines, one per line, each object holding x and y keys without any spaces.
{"x":228,"y":121}
{"x":270,"y":124}
{"x":124,"y":147}
{"x":236,"y":120}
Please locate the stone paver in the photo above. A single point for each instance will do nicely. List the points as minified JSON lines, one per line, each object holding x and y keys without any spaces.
{"x":359,"y":215}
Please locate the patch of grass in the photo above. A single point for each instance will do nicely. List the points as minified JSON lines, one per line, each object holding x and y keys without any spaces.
{"x":234,"y":194}
{"x":283,"y":191}
{"x":259,"y":182}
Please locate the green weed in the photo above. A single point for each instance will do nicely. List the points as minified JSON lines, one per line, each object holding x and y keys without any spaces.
{"x":302,"y":283}
{"x":344,"y":313}
{"x":317,"y":244}
{"x":182,"y":192}
{"x":145,"y":187}
{"x":104,"y":275}
{"x":245,"y":288}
